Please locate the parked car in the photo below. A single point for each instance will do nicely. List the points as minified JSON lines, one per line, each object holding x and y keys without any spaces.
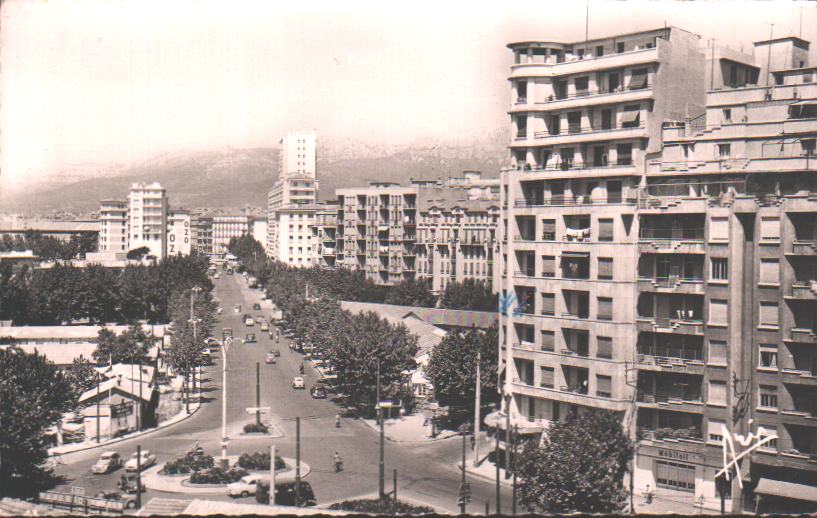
{"x":248,"y":320}
{"x":128,"y":500}
{"x":217,"y":276}
{"x":285,"y":493}
{"x":298,"y":383}
{"x":270,"y":359}
{"x":276,"y":352}
{"x":148,"y":459}
{"x":108,"y":461}
{"x":318,"y":393}
{"x":265,"y":327}
{"x":256,"y":306}
{"x":246,"y":486}
{"x":128,"y":484}
{"x":250,"y":338}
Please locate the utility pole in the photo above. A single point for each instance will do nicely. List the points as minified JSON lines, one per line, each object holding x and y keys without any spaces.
{"x":382,"y":488}
{"x":257,"y":393}
{"x":515,"y":435}
{"x":477,"y":410}
{"x":297,"y":462}
{"x":225,"y":344}
{"x":508,"y":458}
{"x":272,"y":474}
{"x":496,"y":461}
{"x":138,"y":476}
{"x":462,"y":486}
{"x":139,"y":407}
{"x":194,"y":293}
{"x":394,"y":485}
{"x":377,"y":401}
{"x":98,"y":417}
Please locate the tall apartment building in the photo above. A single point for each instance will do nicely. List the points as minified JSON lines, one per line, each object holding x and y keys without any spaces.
{"x":658,"y":244}
{"x":377,"y":229}
{"x":225,"y":227}
{"x":147,"y":218}
{"x":296,"y":187}
{"x":324,"y":236}
{"x":179,"y":235}
{"x":113,"y":228}
{"x":727,"y":311}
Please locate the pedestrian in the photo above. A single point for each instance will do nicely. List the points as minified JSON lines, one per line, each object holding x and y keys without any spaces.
{"x":473,"y":442}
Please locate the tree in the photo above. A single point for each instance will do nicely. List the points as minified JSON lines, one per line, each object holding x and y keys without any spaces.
{"x":131,"y":346}
{"x":579,"y":466}
{"x":33,"y":396}
{"x":453,"y":364}
{"x":411,"y":292}
{"x":81,"y":377}
{"x":469,"y":294}
{"x":137,"y":254}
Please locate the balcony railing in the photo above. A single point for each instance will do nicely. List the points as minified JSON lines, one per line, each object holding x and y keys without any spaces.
{"x":594,"y":93}
{"x":693,"y":433}
{"x":565,"y":201}
{"x":672,"y":234}
{"x":575,"y":388}
{"x":645,"y":397}
{"x":571,"y":131}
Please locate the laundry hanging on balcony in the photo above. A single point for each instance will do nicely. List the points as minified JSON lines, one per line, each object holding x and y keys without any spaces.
{"x":577,"y":233}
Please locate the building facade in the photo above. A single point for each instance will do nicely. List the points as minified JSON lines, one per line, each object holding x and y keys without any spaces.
{"x":113,"y":226}
{"x":202,"y":233}
{"x":147,"y":218}
{"x":324,"y":236}
{"x":179,"y":234}
{"x":225,"y":227}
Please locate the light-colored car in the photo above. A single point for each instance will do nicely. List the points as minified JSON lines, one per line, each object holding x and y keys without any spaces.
{"x":148,"y":459}
{"x":265,"y":327}
{"x":270,"y":358}
{"x":108,"y":461}
{"x":249,"y":321}
{"x":244,"y":487}
{"x":298,"y":383}
{"x":217,"y":276}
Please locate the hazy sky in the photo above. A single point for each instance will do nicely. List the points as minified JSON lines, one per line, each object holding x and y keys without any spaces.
{"x":98,"y":81}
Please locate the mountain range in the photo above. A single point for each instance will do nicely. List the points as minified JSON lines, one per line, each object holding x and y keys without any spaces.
{"x":240,"y":178}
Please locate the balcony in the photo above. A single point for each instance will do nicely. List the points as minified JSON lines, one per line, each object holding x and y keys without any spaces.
{"x":654,"y":358}
{"x":671,"y":325}
{"x":691,"y":434}
{"x":804,"y":290}
{"x":688,"y":402}
{"x":585,"y":134}
{"x":688,"y":241}
{"x":572,"y":201}
{"x":582,"y":98}
{"x":800,"y":247}
{"x":672,"y":284}
{"x":588,"y":64}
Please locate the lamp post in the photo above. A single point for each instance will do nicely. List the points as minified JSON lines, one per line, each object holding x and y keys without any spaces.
{"x":194,"y":293}
{"x":225,"y":346}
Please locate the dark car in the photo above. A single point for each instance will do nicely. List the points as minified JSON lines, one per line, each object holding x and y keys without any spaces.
{"x":285,"y":494}
{"x":250,"y":338}
{"x":318,"y":392}
{"x":256,"y":306}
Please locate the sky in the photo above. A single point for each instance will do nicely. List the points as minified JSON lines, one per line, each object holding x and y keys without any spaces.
{"x":122,"y":81}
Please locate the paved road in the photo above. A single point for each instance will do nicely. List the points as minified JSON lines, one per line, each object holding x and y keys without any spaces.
{"x":425,"y":471}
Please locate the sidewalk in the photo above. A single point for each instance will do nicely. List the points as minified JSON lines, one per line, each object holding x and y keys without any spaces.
{"x":486,"y":469}
{"x":409,"y":429}
{"x":81,"y":446}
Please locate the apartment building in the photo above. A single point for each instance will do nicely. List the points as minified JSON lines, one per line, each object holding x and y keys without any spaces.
{"x":202,"y":233}
{"x":294,"y":242}
{"x":113,"y":226}
{"x":727,"y":277}
{"x":296,"y":186}
{"x":147,"y":218}
{"x":324,"y":236}
{"x":179,"y":239}
{"x":225,"y":227}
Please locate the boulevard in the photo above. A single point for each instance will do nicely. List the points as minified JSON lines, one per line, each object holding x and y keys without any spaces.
{"x":426,"y":471}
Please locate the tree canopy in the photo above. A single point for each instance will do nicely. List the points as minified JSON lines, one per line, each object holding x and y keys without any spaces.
{"x":579,"y":466}
{"x":469,"y":294}
{"x":131,"y":346}
{"x":33,"y":396}
{"x":50,"y":248}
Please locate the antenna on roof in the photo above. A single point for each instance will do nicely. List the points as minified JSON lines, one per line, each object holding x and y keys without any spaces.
{"x":586,"y":26}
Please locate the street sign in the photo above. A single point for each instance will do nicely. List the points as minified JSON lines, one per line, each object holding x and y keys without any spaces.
{"x":262,"y":409}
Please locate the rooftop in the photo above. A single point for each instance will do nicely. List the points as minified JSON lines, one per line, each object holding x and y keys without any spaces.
{"x":69,"y":332}
{"x":43,"y":225}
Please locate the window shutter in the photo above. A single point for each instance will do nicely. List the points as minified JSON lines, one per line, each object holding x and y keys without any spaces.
{"x":768,"y":314}
{"x":604,"y":386}
{"x":548,"y":304}
{"x":548,"y":339}
{"x":770,"y":228}
{"x":719,"y":229}
{"x":769,"y":271}
{"x":547,"y":377}
{"x":605,"y":268}
{"x":605,"y":311}
{"x":604,"y":347}
{"x":548,"y":265}
{"x":605,"y":230}
{"x":548,"y":229}
{"x":638,"y":79}
{"x":718,"y":312}
{"x":717,"y":393}
{"x":717,"y":352}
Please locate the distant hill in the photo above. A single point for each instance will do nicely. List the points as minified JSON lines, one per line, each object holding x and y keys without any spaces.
{"x":235,"y":178}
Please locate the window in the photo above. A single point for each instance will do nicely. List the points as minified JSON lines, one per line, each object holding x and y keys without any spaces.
{"x":638,"y":79}
{"x":719,"y":229}
{"x":548,"y":266}
{"x":631,"y":116}
{"x":574,"y":122}
{"x":727,"y":115}
{"x":605,"y":267}
{"x":624,"y":154}
{"x":605,"y":310}
{"x":769,"y":271}
{"x":768,"y":314}
{"x":582,"y":84}
{"x":605,"y":229}
{"x":718,"y":312}
{"x":714,"y":429}
{"x":620,"y":47}
{"x":548,"y":229}
{"x":548,"y":339}
{"x":599,"y":51}
{"x":770,"y":431}
{"x":604,"y":347}
{"x":718,"y":352}
{"x":768,"y":356}
{"x":809,"y":147}
{"x":604,"y":386}
{"x":674,"y":475}
{"x":547,"y":376}
{"x":770,"y":229}
{"x":719,"y":269}
{"x":548,"y":304}
{"x":724,"y":150}
{"x":768,"y":396}
{"x":717,"y":393}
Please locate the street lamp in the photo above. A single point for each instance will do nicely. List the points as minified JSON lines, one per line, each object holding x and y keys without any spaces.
{"x":225,"y":346}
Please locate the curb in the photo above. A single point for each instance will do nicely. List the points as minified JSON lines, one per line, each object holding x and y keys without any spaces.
{"x":372,"y":496}
{"x":193,"y":409}
{"x":502,"y":480}
{"x":400,"y":441}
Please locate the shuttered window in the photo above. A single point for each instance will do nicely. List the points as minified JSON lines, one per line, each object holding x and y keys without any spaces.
{"x":548,"y":266}
{"x":770,"y":271}
{"x":718,"y":312}
{"x":605,"y":311}
{"x":638,"y":79}
{"x":605,"y":230}
{"x":548,"y":304}
{"x":719,"y":229}
{"x":770,"y":229}
{"x":548,"y":339}
{"x":604,"y":347}
{"x":717,"y":352}
{"x":604,"y":386}
{"x":605,"y":267}
{"x":717,"y":393}
{"x":547,"y":377}
{"x":548,"y":229}
{"x":769,"y":314}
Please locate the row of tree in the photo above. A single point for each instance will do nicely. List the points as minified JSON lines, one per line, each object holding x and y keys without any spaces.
{"x":95,"y":294}
{"x":50,"y":248}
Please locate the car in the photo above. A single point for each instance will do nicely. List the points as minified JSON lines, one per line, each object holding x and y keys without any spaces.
{"x":256,"y":306}
{"x":128,"y":500}
{"x":237,"y":308}
{"x":265,"y":327}
{"x":250,"y":338}
{"x":128,"y":484}
{"x":230,"y":271}
{"x":217,"y":276}
{"x":276,"y":352}
{"x":285,"y":493}
{"x":246,"y":486}
{"x":108,"y":461}
{"x":148,"y":459}
{"x":206,"y":357}
{"x":270,"y":358}
{"x":298,"y":383}
{"x":318,"y":393}
{"x":249,"y":321}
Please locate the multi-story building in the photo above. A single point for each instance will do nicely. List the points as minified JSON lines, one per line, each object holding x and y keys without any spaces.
{"x":296,"y":186}
{"x":294,"y":243}
{"x":179,"y":239}
{"x":113,"y":226}
{"x":658,"y":257}
{"x":147,"y":218}
{"x":258,"y":229}
{"x":378,"y":232}
{"x":202,"y":231}
{"x":727,"y":312}
{"x":225,"y":227}
{"x":324,"y":236}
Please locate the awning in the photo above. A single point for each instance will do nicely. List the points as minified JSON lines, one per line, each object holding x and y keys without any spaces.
{"x":575,"y":255}
{"x":804,"y":103}
{"x":778,"y":488}
{"x":630,"y":116}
